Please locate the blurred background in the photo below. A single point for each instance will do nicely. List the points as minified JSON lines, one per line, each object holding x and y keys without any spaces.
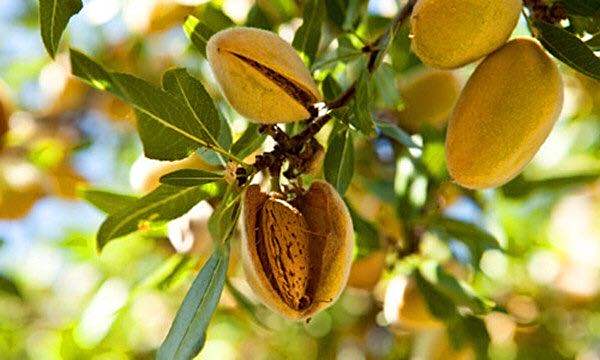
{"x":60,"y":299}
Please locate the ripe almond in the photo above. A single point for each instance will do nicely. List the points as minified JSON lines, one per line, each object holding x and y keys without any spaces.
{"x":261,"y":75}
{"x":297,"y":254}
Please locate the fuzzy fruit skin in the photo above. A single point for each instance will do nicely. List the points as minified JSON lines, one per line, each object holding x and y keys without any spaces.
{"x":330,"y":248}
{"x":429,"y":97}
{"x":504,"y":114}
{"x":449,"y":34}
{"x":250,"y":92}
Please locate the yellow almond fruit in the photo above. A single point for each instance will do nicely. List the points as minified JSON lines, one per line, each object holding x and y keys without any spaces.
{"x":429,"y":97}
{"x":451,"y":33}
{"x":504,"y":114}
{"x":261,"y":75}
{"x":297,"y":254}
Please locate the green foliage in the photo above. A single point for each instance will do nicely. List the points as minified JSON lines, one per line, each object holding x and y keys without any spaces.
{"x":190,"y":177}
{"x":568,"y":48}
{"x":54,"y":17}
{"x":106,"y":201}
{"x":308,"y":36}
{"x":338,"y":165}
{"x":188,"y":332}
{"x":165,"y":203}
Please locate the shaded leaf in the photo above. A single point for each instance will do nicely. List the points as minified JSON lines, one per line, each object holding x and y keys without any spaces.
{"x":476,"y":239}
{"x":258,"y":19}
{"x":384,"y":83}
{"x":188,"y":332}
{"x":520,"y":186}
{"x":338,"y":165}
{"x":107,"y":201}
{"x":362,"y":119}
{"x":165,"y":203}
{"x":394,"y":132}
{"x":7,"y":286}
{"x":470,"y":329}
{"x":190,"y":177}
{"x":308,"y":36}
{"x":457,"y":292}
{"x":568,"y":48}
{"x":440,"y":305}
{"x":54,"y":17}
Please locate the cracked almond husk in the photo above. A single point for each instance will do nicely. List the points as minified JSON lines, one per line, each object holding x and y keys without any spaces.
{"x":297,"y":254}
{"x":262,"y":76}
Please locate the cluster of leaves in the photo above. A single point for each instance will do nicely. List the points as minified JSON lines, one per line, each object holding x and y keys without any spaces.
{"x":180,"y":117}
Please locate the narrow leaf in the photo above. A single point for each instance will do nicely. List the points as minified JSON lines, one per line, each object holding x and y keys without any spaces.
{"x":107,"y":201}
{"x":568,"y":48}
{"x":198,"y":33}
{"x":168,"y":128}
{"x":338,"y":165}
{"x":362,"y":119}
{"x":188,"y":332}
{"x":165,"y":203}
{"x":249,"y":141}
{"x":308,"y":36}
{"x":54,"y":17}
{"x":190,"y":177}
{"x":394,"y":132}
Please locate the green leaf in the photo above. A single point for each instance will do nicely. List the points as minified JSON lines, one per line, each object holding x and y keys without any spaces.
{"x":459,"y":293}
{"x":249,"y":141}
{"x":362,"y":119}
{"x":336,"y":10}
{"x":213,"y":17}
{"x":475,"y":238}
{"x":188,"y":332}
{"x":520,"y":186}
{"x":198,"y":33}
{"x":168,"y":128}
{"x":588,"y":8}
{"x":394,"y":132}
{"x":7,"y":286}
{"x":107,"y":201}
{"x":338,"y":165}
{"x":330,"y":87}
{"x":190,"y":92}
{"x":440,"y":305}
{"x":54,"y":17}
{"x":223,"y":220}
{"x":470,"y":329}
{"x":308,"y":36}
{"x":258,"y":19}
{"x":165,"y":203}
{"x":190,"y":177}
{"x":384,"y":84}
{"x":568,"y":48}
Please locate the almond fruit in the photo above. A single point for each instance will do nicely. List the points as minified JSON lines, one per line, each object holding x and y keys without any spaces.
{"x":297,"y":254}
{"x":261,"y":75}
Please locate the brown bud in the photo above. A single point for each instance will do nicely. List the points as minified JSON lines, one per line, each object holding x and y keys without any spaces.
{"x":261,"y":75}
{"x":297,"y":254}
